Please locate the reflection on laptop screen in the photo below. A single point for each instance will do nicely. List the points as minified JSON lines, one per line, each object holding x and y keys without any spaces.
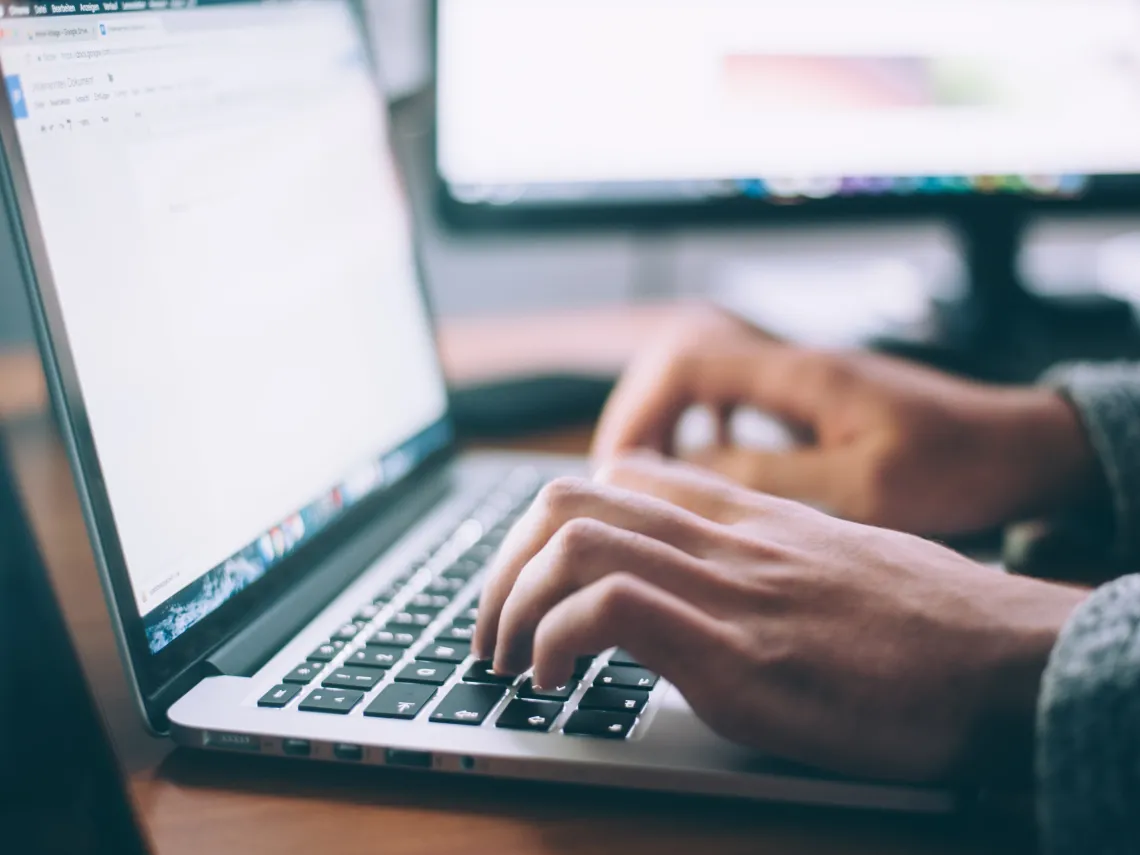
{"x":232,"y":256}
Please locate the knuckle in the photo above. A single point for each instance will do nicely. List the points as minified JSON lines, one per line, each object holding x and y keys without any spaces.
{"x":561,"y":494}
{"x":618,"y":596}
{"x":577,"y":539}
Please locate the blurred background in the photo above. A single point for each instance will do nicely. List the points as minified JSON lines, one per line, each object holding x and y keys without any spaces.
{"x":874,"y":272}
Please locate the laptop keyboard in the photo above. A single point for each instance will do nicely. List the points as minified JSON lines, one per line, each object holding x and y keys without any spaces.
{"x":406,"y":654}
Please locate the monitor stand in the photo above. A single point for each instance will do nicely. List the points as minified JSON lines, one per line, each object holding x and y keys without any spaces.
{"x":1000,"y":331}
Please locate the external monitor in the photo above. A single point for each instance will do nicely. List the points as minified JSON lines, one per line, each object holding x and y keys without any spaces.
{"x":595,"y":111}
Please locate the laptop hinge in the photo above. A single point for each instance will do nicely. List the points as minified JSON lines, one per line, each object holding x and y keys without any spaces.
{"x":259,"y":641}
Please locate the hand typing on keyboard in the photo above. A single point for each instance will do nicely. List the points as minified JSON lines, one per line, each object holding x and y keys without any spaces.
{"x":856,"y":649}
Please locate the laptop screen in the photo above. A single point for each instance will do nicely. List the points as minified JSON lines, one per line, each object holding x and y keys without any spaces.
{"x":231,"y":252}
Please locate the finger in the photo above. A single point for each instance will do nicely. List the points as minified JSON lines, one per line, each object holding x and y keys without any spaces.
{"x":663,"y":632}
{"x":698,"y":490}
{"x":810,"y":476}
{"x":581,"y":553}
{"x":569,"y":499}
{"x":643,"y":411}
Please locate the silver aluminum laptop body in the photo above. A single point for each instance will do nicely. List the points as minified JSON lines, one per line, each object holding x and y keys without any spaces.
{"x":224,"y":682}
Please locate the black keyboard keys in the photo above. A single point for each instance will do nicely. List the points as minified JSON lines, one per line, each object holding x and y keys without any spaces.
{"x":624,"y":657}
{"x":468,"y":703}
{"x":375,"y":656}
{"x":278,"y":696}
{"x":411,"y":618}
{"x":604,"y":725}
{"x":630,"y":701}
{"x":458,"y":633}
{"x":337,"y":701}
{"x":480,"y":672}
{"x":327,"y":652}
{"x":401,"y":700}
{"x":367,"y":612}
{"x":446,"y":651}
{"x":348,"y":632}
{"x":552,"y":693}
{"x":363,"y":679}
{"x":395,"y":636}
{"x":582,"y":666}
{"x":622,"y":677}
{"x":428,"y":673}
{"x":303,"y":674}
{"x":538,"y":716}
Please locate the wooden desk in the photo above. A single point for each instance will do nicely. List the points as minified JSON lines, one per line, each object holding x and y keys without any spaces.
{"x":197,"y":803}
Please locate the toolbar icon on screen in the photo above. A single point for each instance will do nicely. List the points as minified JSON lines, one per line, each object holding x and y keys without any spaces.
{"x":16,"y":96}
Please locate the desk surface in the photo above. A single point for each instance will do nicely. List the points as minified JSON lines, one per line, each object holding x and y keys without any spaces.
{"x":195,"y":802}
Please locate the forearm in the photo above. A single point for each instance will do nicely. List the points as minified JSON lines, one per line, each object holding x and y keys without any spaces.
{"x":1088,"y":728}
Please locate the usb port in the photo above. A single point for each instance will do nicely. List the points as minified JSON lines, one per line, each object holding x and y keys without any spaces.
{"x":410,"y":759}
{"x":344,"y":751}
{"x":296,"y":747}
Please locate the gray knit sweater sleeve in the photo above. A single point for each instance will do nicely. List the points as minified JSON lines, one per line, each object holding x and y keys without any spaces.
{"x":1088,"y":721}
{"x":1107,"y":397}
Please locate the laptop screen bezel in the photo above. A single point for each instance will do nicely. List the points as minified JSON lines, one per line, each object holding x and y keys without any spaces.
{"x":154,"y":675}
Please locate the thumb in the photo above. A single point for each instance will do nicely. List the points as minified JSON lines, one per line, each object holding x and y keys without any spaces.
{"x":803,"y":475}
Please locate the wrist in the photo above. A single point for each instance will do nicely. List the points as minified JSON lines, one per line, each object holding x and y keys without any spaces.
{"x":1052,"y":465}
{"x":1002,"y":739}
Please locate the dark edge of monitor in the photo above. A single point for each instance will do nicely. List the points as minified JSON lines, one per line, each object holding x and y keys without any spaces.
{"x":157,"y":680}
{"x":1107,"y":196}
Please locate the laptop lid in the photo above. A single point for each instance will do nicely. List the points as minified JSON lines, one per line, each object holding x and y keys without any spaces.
{"x":221,"y":261}
{"x":61,"y":790}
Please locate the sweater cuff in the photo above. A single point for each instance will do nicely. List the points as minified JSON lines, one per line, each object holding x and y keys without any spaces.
{"x":1088,"y":728}
{"x":1107,"y":399}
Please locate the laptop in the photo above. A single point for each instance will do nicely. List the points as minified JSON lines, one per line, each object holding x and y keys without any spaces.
{"x":61,"y":791}
{"x":221,"y":262}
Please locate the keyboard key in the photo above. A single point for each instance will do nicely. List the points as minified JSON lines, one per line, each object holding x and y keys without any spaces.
{"x":457,"y":633}
{"x":438,"y":602}
{"x":374,"y":656}
{"x":337,"y":701}
{"x":446,"y":651}
{"x":279,"y":696}
{"x":446,"y":586}
{"x":348,"y":632}
{"x":552,"y":693}
{"x":605,"y":725}
{"x":582,"y":666}
{"x":303,"y":674}
{"x":630,"y":701}
{"x":395,"y":636}
{"x":529,"y":715}
{"x":480,"y":672}
{"x":413,"y":619}
{"x":462,"y":569}
{"x":626,"y":678}
{"x":463,"y":621}
{"x":468,"y":703}
{"x":429,"y":673}
{"x":400,"y":700}
{"x":624,"y":657}
{"x":363,"y":679}
{"x":367,"y":612}
{"x":471,"y":614}
{"x":327,"y":652}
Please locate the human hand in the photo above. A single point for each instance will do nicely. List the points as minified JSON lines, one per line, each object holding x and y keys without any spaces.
{"x":859,"y":650}
{"x":885,"y":442}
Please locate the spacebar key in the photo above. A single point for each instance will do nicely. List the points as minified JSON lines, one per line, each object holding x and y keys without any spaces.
{"x":468,"y":703}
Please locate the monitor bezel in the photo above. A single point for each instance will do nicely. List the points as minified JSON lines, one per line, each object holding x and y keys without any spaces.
{"x":158,"y":679}
{"x":1108,"y":193}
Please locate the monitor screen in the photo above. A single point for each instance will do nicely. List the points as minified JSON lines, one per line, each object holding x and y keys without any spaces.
{"x":563,"y":102}
{"x":231,"y":254}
